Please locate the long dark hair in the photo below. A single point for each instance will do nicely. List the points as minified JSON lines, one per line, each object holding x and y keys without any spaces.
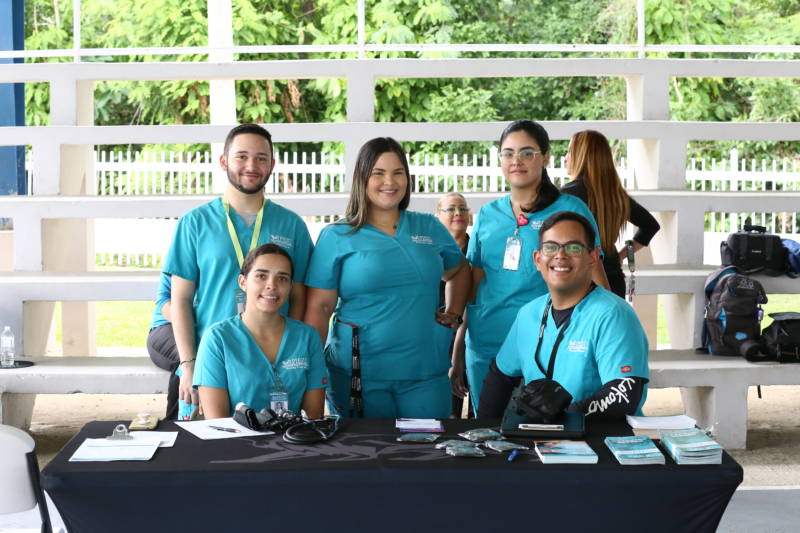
{"x":548,"y":192}
{"x":358,"y":206}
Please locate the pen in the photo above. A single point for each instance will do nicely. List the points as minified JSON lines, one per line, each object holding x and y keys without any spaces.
{"x":513,"y":455}
{"x":229,"y":430}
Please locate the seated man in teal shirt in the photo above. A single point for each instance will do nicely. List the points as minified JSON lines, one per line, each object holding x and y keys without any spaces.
{"x":601,"y":359}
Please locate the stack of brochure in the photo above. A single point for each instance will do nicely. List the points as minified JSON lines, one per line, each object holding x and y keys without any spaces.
{"x":691,"y":446}
{"x":635,"y":450}
{"x":565,"y":451}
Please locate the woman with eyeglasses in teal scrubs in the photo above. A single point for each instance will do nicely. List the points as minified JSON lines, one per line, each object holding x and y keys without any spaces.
{"x":505,"y":235}
{"x":378,"y":272}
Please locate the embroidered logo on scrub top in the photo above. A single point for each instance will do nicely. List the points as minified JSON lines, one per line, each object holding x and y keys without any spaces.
{"x":283,"y":242}
{"x":625,"y":369}
{"x":578,"y":346}
{"x":298,"y":363}
{"x":421,"y":239}
{"x":536,"y":224}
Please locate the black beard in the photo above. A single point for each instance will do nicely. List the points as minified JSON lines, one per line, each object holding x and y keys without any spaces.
{"x":244,"y":190}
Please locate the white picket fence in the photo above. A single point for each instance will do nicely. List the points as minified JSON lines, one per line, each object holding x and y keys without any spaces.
{"x":155,"y":173}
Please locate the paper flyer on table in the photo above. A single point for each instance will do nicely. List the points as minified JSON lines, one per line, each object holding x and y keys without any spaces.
{"x":219,"y":428}
{"x":114,"y":450}
{"x":661,"y":422}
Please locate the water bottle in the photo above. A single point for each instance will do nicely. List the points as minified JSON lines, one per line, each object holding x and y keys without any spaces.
{"x":7,"y":348}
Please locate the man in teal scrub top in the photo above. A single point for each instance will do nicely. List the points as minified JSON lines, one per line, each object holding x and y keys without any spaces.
{"x":211,"y":241}
{"x":595,"y":336}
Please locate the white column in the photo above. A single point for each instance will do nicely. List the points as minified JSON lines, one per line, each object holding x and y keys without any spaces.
{"x":223,"y":92}
{"x":67,"y":245}
{"x":360,"y":108}
{"x":660,"y":163}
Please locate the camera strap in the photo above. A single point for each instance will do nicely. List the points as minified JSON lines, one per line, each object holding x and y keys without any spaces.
{"x":356,"y":406}
{"x":552,"y":363}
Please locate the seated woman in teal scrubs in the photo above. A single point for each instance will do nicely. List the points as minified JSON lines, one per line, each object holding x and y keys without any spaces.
{"x":505,"y":235}
{"x":378,"y":270}
{"x":260,"y":357}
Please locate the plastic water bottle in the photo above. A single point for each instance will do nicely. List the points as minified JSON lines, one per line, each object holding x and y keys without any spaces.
{"x":7,"y":348}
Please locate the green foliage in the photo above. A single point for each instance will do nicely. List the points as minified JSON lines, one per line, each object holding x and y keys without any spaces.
{"x":149,"y":23}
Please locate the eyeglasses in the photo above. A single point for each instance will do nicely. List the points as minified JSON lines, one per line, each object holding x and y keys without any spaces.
{"x":524,"y":155}
{"x":550,"y":248}
{"x":452,"y":210}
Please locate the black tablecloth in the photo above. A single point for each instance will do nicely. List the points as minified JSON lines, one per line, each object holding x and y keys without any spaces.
{"x":363,"y":480}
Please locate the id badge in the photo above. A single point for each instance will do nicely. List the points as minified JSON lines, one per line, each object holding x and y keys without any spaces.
{"x":279,"y":401}
{"x":241,"y":299}
{"x":512,"y":253}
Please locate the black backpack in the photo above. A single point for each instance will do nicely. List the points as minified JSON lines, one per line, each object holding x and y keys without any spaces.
{"x":733,"y":314}
{"x":754,"y":250}
{"x":781,"y":339}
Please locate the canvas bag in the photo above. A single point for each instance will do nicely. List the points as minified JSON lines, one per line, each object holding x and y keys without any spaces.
{"x":781,"y":339}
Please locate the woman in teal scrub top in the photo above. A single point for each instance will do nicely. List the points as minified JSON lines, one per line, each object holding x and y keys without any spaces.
{"x":260,"y":357}
{"x":500,"y":251}
{"x":378,"y":270}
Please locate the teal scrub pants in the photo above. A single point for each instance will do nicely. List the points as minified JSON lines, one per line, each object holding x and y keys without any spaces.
{"x":426,"y":398}
{"x":477,"y":367}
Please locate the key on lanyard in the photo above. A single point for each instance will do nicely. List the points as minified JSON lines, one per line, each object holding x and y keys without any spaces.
{"x":630,"y":282}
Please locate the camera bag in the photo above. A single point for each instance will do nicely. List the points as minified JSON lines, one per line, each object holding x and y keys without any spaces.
{"x":754,"y":250}
{"x":781,"y":339}
{"x":733,"y":314}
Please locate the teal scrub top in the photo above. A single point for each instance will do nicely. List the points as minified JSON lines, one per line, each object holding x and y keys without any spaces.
{"x":603,"y":341}
{"x":202,"y":252}
{"x":502,"y":292}
{"x":163,"y":295}
{"x":389,"y":288}
{"x":229,"y":358}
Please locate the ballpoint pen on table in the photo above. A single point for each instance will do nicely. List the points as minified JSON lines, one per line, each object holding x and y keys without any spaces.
{"x":229,"y":430}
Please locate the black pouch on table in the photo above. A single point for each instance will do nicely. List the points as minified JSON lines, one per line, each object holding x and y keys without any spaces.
{"x":754,"y":250}
{"x":781,"y":339}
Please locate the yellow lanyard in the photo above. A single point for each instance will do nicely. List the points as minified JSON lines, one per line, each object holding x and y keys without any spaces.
{"x":232,"y":230}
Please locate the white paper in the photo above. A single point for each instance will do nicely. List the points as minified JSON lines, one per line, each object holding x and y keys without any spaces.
{"x":418,"y":423}
{"x":114,"y":450}
{"x":661,"y":422}
{"x":165,"y":439}
{"x":202,"y":429}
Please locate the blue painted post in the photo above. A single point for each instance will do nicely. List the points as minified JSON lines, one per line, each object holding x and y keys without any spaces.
{"x":12,"y":99}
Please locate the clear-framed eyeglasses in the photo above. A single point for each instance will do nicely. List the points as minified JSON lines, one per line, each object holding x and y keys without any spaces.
{"x":453,"y":209}
{"x":506,"y":156}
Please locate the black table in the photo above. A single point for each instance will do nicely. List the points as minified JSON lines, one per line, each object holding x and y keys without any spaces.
{"x":363,"y":480}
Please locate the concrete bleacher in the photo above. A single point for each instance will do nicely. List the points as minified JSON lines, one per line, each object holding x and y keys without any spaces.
{"x":657,"y":148}
{"x":70,"y":375}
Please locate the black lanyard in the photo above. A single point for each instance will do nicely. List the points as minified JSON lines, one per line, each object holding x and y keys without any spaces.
{"x":356,"y":397}
{"x":552,"y":363}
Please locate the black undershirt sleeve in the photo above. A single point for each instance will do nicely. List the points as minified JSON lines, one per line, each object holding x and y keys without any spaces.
{"x":614,"y":400}
{"x":496,"y":392}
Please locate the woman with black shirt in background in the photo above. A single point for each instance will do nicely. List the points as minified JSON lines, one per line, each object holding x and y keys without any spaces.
{"x":596,"y":182}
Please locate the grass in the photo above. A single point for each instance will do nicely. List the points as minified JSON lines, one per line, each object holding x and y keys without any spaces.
{"x":119,"y":324}
{"x":126,"y":324}
{"x":776,"y":303}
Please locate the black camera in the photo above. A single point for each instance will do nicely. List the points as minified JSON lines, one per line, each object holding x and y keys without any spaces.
{"x":264,"y":420}
{"x":541,"y":400}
